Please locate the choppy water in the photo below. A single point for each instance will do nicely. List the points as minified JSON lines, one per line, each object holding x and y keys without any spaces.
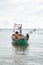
{"x":28,"y":55}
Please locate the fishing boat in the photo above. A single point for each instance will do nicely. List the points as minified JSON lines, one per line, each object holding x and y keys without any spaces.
{"x":21,"y":40}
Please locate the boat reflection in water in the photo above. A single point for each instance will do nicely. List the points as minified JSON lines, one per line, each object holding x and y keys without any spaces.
{"x":20,"y":54}
{"x":20,"y":47}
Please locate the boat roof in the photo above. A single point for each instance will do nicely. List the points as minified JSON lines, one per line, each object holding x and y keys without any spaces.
{"x":16,"y":27}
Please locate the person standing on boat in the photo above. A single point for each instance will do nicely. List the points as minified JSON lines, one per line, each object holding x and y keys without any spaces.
{"x":20,"y":29}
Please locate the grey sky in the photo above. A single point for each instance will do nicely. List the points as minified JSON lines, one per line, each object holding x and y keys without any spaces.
{"x":28,"y":12}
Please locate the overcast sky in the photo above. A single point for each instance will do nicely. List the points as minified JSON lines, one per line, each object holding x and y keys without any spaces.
{"x":27,"y":12}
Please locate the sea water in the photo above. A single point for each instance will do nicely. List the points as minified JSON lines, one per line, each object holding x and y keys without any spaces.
{"x":24,"y":55}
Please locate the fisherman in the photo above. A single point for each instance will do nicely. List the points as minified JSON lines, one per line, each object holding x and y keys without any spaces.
{"x":27,"y":36}
{"x":16,"y":35}
{"x":20,"y":30}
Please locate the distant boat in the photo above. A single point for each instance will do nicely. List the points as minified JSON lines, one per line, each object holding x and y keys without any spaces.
{"x":22,"y":40}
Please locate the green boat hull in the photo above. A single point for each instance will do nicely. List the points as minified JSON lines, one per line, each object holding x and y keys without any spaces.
{"x":20,"y":42}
